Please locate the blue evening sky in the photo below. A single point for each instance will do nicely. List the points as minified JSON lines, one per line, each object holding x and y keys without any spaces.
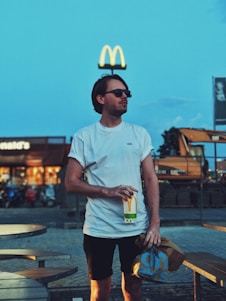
{"x":49,"y":52}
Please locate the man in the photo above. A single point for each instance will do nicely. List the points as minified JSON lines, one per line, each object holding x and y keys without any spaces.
{"x":113,"y":153}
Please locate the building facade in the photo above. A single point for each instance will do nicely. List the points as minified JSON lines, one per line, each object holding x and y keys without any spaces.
{"x":32,"y":160}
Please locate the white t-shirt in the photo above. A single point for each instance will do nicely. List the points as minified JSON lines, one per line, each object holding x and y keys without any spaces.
{"x":112,"y":157}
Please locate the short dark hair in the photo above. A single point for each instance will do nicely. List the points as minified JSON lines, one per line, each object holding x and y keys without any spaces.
{"x":100,"y":87}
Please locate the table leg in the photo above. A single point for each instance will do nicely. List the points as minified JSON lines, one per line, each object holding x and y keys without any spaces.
{"x":41,"y":263}
{"x":197,"y":288}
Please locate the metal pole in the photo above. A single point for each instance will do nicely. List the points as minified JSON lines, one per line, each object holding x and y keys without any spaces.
{"x":214,"y":126}
{"x":201,"y":201}
{"x":201,"y":193}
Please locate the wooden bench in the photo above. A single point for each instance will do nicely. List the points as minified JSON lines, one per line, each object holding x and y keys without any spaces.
{"x":16,"y":287}
{"x":50,"y":274}
{"x":42,"y":273}
{"x":215,"y":227}
{"x":38,"y":255}
{"x":207,"y":265}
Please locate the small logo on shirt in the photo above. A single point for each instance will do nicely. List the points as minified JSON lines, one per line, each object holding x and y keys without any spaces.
{"x":129,"y":143}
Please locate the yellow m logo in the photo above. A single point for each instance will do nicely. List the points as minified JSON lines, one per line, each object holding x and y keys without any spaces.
{"x":130,"y":204}
{"x":112,"y":56}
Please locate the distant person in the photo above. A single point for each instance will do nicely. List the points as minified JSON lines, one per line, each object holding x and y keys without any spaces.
{"x":113,"y":153}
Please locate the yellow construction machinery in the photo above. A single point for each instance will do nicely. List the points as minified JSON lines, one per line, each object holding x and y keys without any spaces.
{"x":183,"y":160}
{"x":182,"y":169}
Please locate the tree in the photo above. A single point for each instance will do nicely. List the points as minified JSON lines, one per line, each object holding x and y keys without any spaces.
{"x":170,"y":147}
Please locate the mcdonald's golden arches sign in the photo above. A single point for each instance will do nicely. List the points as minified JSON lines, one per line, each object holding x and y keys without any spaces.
{"x":112,"y":53}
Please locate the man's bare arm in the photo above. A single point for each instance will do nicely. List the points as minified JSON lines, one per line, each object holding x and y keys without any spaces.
{"x":74,"y":183}
{"x":152,"y":193}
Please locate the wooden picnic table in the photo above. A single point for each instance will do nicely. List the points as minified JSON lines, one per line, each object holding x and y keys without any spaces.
{"x":20,"y":288}
{"x":12,"y":231}
{"x":207,"y":265}
{"x":32,"y":278}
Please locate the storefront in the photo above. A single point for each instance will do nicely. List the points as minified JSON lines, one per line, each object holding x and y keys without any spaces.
{"x":32,"y":160}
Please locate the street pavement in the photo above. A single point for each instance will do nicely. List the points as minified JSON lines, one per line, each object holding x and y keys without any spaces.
{"x":64,"y":234}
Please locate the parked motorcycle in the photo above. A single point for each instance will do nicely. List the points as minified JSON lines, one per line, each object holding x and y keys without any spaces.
{"x":2,"y":200}
{"x":30,"y":196}
{"x":12,"y":197}
{"x":47,"y":197}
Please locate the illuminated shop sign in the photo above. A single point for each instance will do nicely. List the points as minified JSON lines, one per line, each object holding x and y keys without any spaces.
{"x":112,"y":56}
{"x":15,"y":145}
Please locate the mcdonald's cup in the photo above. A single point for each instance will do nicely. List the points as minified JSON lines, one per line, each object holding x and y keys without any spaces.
{"x":130,"y":210}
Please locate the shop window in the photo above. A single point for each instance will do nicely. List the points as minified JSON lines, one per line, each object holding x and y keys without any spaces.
{"x":35,"y":175}
{"x":4,"y":174}
{"x":19,"y":175}
{"x":42,"y":175}
{"x":51,"y":175}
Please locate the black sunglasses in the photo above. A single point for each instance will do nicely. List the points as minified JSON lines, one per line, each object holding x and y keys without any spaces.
{"x":119,"y":92}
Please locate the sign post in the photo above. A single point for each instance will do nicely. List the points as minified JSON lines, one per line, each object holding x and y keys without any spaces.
{"x":219,"y":94}
{"x":219,"y":97}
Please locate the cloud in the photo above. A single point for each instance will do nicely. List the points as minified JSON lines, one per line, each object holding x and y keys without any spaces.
{"x":177,"y":120}
{"x":174,"y":100}
{"x":167,"y":101}
{"x":198,"y":117}
{"x":188,"y":121}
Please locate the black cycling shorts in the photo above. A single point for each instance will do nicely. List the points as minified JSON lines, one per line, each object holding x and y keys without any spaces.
{"x":100,"y":252}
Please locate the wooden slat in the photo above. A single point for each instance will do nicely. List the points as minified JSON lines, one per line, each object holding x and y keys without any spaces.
{"x":215,"y":227}
{"x":46,"y":275}
{"x":40,"y":255}
{"x":32,"y":254}
{"x":23,"y":294}
{"x":210,"y":266}
{"x":18,"y":288}
{"x":12,"y":231}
